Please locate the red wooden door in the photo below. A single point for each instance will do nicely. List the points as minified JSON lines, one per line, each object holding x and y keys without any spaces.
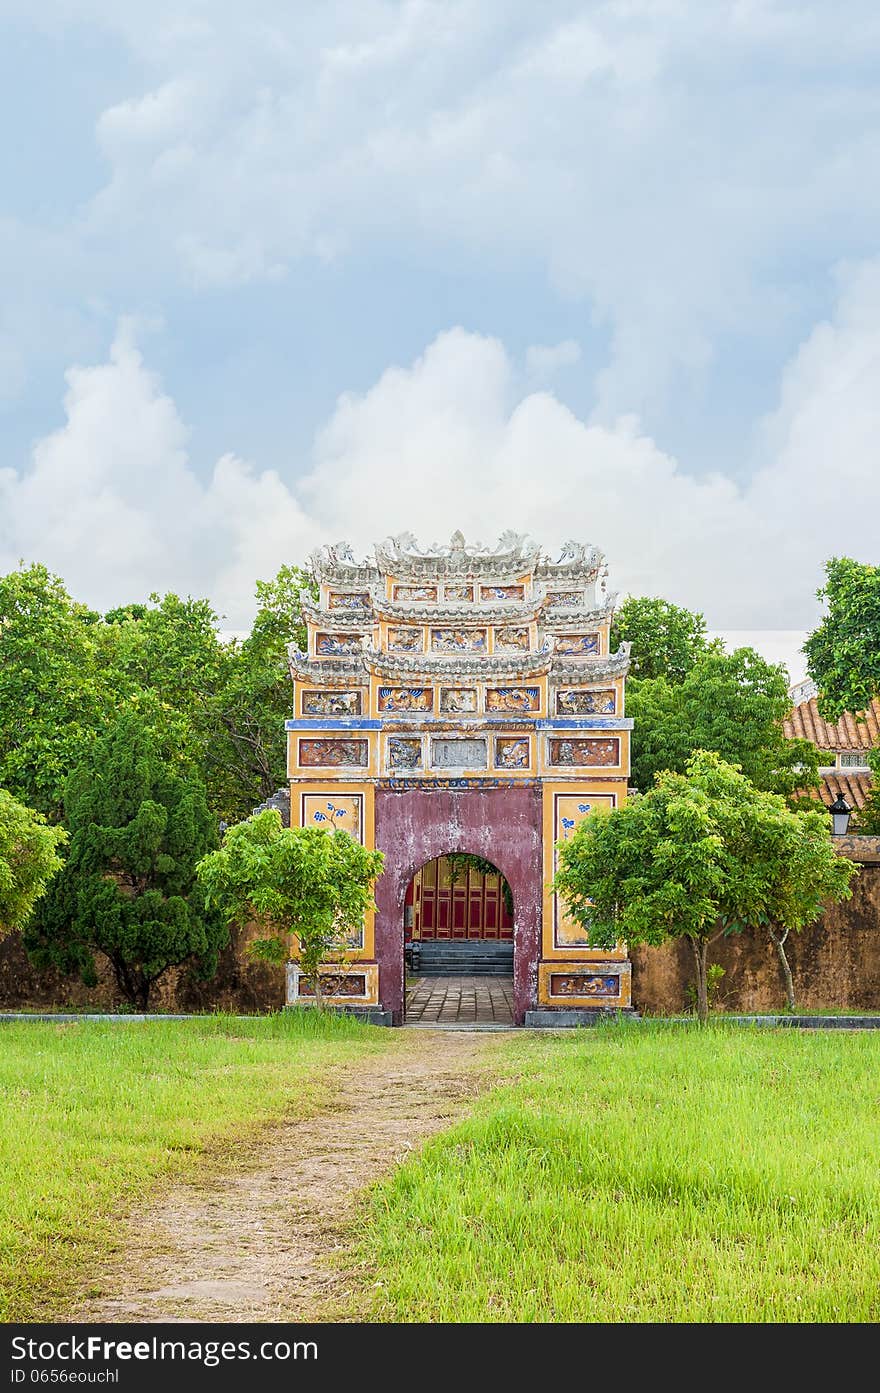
{"x":470,"y":906}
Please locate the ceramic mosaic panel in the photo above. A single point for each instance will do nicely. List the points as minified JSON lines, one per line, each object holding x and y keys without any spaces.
{"x":511,"y":640}
{"x":513,"y":698}
{"x":343,"y":812}
{"x":331,"y":703}
{"x":513,"y":752}
{"x":406,"y":699}
{"x":340,"y":984}
{"x":415,"y":592}
{"x":597,"y":752}
{"x":570,"y":809}
{"x":576,"y":645}
{"x":567,"y":984}
{"x":339,"y":600}
{"x":502,"y":592}
{"x":573,"y":701}
{"x":455,"y":701}
{"x":458,"y":592}
{"x":458,"y":640}
{"x":337,"y":645}
{"x":404,"y":753}
{"x":458,"y":754}
{"x":566,"y":599}
{"x":405,"y":640}
{"x":333,"y":753}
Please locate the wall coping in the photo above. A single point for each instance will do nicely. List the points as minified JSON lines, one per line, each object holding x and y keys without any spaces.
{"x":865,"y":850}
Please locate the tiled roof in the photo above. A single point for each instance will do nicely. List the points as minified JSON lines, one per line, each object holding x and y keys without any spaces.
{"x":849,"y":733}
{"x":854,"y":787}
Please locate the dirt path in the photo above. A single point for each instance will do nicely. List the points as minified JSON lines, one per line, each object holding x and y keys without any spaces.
{"x":250,"y":1239}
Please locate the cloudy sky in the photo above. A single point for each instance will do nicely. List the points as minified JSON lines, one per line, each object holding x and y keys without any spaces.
{"x":274,"y":274}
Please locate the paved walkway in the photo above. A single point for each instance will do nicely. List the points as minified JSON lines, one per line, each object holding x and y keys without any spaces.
{"x":483,"y":1001}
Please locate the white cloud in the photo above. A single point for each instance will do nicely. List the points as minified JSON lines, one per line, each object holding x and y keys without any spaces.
{"x":662,"y":160}
{"x":543,"y":360}
{"x":111,"y":500}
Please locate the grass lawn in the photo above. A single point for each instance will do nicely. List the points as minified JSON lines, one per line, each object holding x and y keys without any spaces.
{"x":92,"y":1114}
{"x":645,"y":1173}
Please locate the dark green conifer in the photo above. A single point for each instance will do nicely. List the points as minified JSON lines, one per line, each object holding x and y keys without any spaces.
{"x":128,"y":891}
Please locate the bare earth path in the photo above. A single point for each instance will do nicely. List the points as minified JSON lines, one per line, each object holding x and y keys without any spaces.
{"x":249,"y":1237}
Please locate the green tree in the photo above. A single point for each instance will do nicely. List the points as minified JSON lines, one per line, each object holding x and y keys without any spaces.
{"x":666,"y":640}
{"x":308,"y":888}
{"x":53,"y":700}
{"x":733,"y":703}
{"x":843,"y":653}
{"x":128,"y":890}
{"x":255,"y":700}
{"x":703,"y":854}
{"x":29,"y":859}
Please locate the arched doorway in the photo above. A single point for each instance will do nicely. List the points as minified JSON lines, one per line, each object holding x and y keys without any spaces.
{"x":502,"y":825}
{"x":458,"y":932}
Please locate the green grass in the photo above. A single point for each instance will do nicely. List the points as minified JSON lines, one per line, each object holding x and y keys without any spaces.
{"x":92,"y":1114}
{"x":645,"y":1173}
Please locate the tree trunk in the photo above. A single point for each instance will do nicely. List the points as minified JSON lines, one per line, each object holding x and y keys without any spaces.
{"x":779,"y":944}
{"x":701,"y":954}
{"x":319,"y":1000}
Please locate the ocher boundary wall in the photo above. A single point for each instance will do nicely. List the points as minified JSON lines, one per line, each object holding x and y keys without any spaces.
{"x":835,"y":963}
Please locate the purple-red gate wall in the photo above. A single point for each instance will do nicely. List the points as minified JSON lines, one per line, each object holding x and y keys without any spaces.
{"x":504,"y":825}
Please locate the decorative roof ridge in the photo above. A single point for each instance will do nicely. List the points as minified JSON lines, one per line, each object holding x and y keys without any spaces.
{"x":457,"y":664}
{"x":402,"y":555}
{"x":450,"y":612}
{"x":609,"y":665}
{"x":564,"y":619}
{"x":325,"y":670}
{"x":361,"y":618}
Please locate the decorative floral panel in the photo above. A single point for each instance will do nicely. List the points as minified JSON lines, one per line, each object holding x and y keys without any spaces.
{"x":513,"y":752}
{"x":406,"y":699}
{"x":502,"y":592}
{"x":458,"y":640}
{"x":341,"y":984}
{"x":458,"y":754}
{"x":458,"y":592}
{"x":575,"y":645}
{"x":594,"y":751}
{"x":511,"y":640}
{"x":405,"y":640}
{"x":569,"y":811}
{"x":343,"y":812}
{"x":584,"y":984}
{"x":404,"y":753}
{"x":338,"y":600}
{"x":575,"y":701}
{"x":331,"y":703}
{"x":330,"y":753}
{"x":415,"y":592}
{"x":337,"y":645}
{"x":513,"y":698}
{"x":567,"y":599}
{"x":458,"y":700}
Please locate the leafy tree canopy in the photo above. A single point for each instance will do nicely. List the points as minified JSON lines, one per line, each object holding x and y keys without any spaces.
{"x":732,"y":703}
{"x":843,"y":653}
{"x":217,"y":704}
{"x":29,"y":859}
{"x":666,"y":640}
{"x":53,"y":699}
{"x":703,"y":853}
{"x":308,"y":888}
{"x":128,"y":890}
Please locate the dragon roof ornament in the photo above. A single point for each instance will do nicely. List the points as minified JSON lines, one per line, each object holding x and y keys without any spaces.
{"x":401,"y":555}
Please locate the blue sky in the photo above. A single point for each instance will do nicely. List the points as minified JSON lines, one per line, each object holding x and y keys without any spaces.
{"x":274,"y":275}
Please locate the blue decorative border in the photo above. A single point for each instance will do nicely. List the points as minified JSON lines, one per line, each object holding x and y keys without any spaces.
{"x":418,"y":717}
